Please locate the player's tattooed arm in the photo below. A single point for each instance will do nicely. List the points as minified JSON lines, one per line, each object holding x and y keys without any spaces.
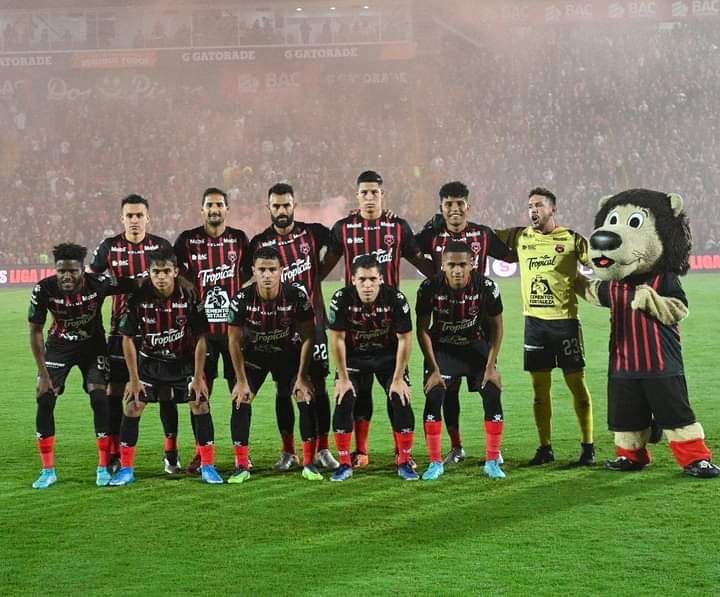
{"x":134,"y":388}
{"x":343,"y":385}
{"x":423,"y":264}
{"x":496,"y":337}
{"x":303,"y":390}
{"x":37,"y":346}
{"x":423,"y":336}
{"x":398,"y":385}
{"x":328,"y":262}
{"x":241,"y":392}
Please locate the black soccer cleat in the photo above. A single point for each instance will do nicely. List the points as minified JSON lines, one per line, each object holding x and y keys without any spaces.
{"x":543,"y":455}
{"x":623,"y":464}
{"x":704,"y":469}
{"x":587,"y":456}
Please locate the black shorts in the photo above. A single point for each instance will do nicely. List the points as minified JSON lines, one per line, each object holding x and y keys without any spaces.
{"x":320,"y":365}
{"x":283,"y":367}
{"x":90,"y":356}
{"x":362,"y":368}
{"x":462,"y":361}
{"x":165,"y":380}
{"x":118,"y":368}
{"x":218,"y":347}
{"x":633,"y":402}
{"x":553,"y":343}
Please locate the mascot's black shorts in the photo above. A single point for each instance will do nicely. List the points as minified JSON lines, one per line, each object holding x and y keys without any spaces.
{"x":551,"y":343}
{"x":633,"y":402}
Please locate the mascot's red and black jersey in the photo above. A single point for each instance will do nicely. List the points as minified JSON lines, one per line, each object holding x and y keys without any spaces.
{"x":387,"y":238}
{"x":640,"y":345}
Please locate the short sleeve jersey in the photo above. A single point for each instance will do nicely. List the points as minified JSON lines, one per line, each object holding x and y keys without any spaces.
{"x":78,"y":316}
{"x":124,"y":259}
{"x":388,"y":238}
{"x":168,"y":326}
{"x":640,"y":345}
{"x":458,"y":315}
{"x":548,"y":269}
{"x":482,"y":240}
{"x":300,"y":258}
{"x":216,"y":265}
{"x":370,"y":329}
{"x":271,"y":326}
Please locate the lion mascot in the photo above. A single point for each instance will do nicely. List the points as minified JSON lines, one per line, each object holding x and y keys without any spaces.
{"x":639,"y":248}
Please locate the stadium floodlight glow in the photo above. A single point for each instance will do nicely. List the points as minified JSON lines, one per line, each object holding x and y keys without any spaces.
{"x":332,"y":8}
{"x":366,"y":7}
{"x":299,"y":9}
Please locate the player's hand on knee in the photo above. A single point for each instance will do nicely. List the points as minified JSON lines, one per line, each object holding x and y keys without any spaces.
{"x":492,"y":375}
{"x":434,"y":379}
{"x":199,"y":389}
{"x":402,"y":390}
{"x":44,"y":385}
{"x":342,"y":387}
{"x":303,"y":389}
{"x":241,"y":394}
{"x":133,"y":391}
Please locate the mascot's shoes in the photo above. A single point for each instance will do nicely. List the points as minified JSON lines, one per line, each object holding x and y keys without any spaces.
{"x":543,"y":455}
{"x":587,"y":456}
{"x":623,"y":464}
{"x":703,"y":469}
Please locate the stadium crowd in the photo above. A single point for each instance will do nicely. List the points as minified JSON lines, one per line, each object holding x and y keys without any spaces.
{"x":584,"y":111}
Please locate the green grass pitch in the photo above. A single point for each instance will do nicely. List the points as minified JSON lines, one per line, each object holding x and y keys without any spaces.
{"x":554,"y":530}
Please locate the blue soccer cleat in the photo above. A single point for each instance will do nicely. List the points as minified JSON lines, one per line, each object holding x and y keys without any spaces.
{"x":46,"y":479}
{"x":434,"y":471}
{"x":342,"y":473}
{"x":103,"y":476}
{"x":493,"y":470}
{"x":124,"y":476}
{"x":407,"y":473}
{"x":209,"y":474}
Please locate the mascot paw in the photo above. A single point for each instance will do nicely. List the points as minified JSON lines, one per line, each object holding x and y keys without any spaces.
{"x":644,"y":298}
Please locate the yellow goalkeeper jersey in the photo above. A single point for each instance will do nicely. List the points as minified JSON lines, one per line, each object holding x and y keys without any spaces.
{"x":548,"y":267}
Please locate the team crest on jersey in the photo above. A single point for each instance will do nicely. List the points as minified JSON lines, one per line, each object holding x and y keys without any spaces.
{"x":232,"y":256}
{"x":475,"y":247}
{"x":181,"y":321}
{"x":305,"y":248}
{"x":473,"y":311}
{"x":389,"y":240}
{"x":559,"y":249}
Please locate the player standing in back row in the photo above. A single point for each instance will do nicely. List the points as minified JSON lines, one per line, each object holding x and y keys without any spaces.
{"x":213,"y":256}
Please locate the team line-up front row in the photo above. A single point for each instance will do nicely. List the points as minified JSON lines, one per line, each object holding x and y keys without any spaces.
{"x":258,"y":305}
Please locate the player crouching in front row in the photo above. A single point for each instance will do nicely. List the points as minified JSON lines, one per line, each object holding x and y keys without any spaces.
{"x":371,"y":333}
{"x":460,"y":302}
{"x":271,"y":330}
{"x":172,"y":326}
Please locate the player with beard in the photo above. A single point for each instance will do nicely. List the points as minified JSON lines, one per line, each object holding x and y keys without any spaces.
{"x":454,"y":309}
{"x":76,"y":338}
{"x":548,"y":257}
{"x":172,"y":329}
{"x":213,"y":256}
{"x":300,"y":246}
{"x":271,"y":331}
{"x":452,"y":225}
{"x":125,"y":255}
{"x":371,"y":335}
{"x":376,"y":232}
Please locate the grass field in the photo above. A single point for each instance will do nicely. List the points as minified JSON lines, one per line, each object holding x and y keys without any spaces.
{"x":554,"y":530}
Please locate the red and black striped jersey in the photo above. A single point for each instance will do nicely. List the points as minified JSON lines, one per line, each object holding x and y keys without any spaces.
{"x":124,"y":259}
{"x":78,"y":316}
{"x":458,"y":315}
{"x":388,"y":238}
{"x":216,"y":266}
{"x":270,"y":325}
{"x":482,"y":240}
{"x":370,"y":329}
{"x":640,"y":345}
{"x":168,"y":326}
{"x":300,"y":256}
